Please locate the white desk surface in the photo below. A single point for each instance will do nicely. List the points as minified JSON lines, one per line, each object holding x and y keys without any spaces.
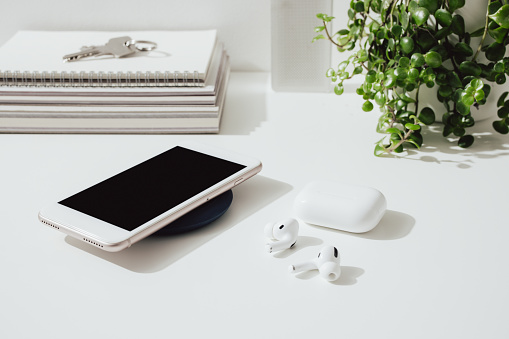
{"x":437,"y":265}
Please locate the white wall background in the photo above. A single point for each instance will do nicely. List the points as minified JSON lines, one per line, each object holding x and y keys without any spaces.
{"x":243,"y":25}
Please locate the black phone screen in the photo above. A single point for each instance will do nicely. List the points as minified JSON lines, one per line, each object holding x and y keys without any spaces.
{"x":141,"y":193}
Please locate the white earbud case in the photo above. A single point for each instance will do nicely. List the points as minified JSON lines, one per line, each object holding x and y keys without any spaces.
{"x":341,"y":206}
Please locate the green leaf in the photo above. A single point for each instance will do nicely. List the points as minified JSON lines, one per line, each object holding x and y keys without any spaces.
{"x":342,"y":65}
{"x":499,"y":67}
{"x":453,"y":80}
{"x":318,"y":37}
{"x":501,"y":126}
{"x":351,"y":14}
{"x":458,"y":131}
{"x":319,"y":28}
{"x":445,"y":91}
{"x":462,"y":108}
{"x":339,"y":89}
{"x":393,"y":130}
{"x":396,"y":30}
{"x":395,"y":137}
{"x":404,"y":19}
{"x":359,"y":6}
{"x":495,"y":51}
{"x":379,"y":150}
{"x":367,"y":106}
{"x":380,"y":98}
{"x":401,"y":73}
{"x":458,"y":25}
{"x":420,"y":16}
{"x":470,"y":68}
{"x":390,"y":45}
{"x":407,"y":44}
{"x":404,"y":62}
{"x":466,"y":141}
{"x":444,"y":18}
{"x":477,"y":33}
{"x":430,"y":5}
{"x":425,"y":40}
{"x":463,"y":49}
{"x":503,"y":112}
{"x":413,"y":6}
{"x":447,"y":129}
{"x":501,"y":100}
{"x":479,"y":95}
{"x":371,"y":77}
{"x":443,"y":33}
{"x":486,"y":89}
{"x":416,"y":139}
{"x":427,"y":116}
{"x":413,"y":74}
{"x":500,"y":79}
{"x":433,"y":59}
{"x":398,"y":149}
{"x":493,"y":7}
{"x":477,"y":84}
{"x":467,"y":100}
{"x":455,"y":4}
{"x":417,"y":60}
{"x":412,"y":127}
{"x":499,"y":34}
{"x":501,"y":17}
{"x":390,"y":81}
{"x":357,"y":70}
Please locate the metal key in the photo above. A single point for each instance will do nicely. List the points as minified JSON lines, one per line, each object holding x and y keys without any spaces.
{"x":116,"y":47}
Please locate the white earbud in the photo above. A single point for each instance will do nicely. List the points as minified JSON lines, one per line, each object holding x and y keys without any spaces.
{"x":284,"y":234}
{"x":327,"y":263}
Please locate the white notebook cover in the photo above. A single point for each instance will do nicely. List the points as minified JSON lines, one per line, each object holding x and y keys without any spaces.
{"x":42,"y":51}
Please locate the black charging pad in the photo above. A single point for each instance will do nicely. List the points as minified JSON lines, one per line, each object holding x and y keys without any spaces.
{"x":200,"y":216}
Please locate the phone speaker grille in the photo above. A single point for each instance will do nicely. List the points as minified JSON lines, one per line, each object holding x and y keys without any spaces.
{"x":49,"y":224}
{"x":92,"y":242}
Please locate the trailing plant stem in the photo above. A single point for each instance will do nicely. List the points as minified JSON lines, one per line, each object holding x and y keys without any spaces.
{"x":484,"y":34}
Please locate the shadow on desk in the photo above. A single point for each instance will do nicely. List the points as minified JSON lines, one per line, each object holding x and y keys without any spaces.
{"x":394,"y":225}
{"x":488,"y":145}
{"x":246,"y":103}
{"x":157,"y":252}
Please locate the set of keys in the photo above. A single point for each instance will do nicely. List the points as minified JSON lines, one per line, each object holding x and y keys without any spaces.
{"x":120,"y":47}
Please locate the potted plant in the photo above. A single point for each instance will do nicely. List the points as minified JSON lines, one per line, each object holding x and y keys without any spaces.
{"x":405,"y":46}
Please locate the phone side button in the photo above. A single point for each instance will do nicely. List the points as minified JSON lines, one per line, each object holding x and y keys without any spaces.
{"x":238,"y":181}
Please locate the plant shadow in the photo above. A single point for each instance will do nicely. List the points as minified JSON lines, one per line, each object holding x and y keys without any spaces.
{"x":487,"y":145}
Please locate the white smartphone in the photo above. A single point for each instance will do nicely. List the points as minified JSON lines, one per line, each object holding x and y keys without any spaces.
{"x":121,"y":210}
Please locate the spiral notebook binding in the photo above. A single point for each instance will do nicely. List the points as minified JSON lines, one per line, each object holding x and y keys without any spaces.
{"x":100,"y":79}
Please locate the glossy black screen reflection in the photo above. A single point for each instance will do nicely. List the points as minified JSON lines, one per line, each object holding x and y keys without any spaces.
{"x":141,"y":193}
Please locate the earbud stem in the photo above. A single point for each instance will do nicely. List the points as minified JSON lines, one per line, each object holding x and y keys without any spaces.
{"x":305,"y":266}
{"x":278,"y":246}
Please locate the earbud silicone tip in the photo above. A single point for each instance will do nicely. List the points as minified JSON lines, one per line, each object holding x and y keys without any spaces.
{"x":330,"y":271}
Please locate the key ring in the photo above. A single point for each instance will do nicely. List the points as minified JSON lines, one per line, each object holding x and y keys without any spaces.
{"x":135,"y":44}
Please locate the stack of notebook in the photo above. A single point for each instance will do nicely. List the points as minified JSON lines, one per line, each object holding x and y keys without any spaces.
{"x":179,"y":87}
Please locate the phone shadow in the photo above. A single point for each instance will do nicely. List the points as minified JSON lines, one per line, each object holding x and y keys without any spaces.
{"x":158,"y":252}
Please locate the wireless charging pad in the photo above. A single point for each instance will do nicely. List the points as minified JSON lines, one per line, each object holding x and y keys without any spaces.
{"x":200,"y":216}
